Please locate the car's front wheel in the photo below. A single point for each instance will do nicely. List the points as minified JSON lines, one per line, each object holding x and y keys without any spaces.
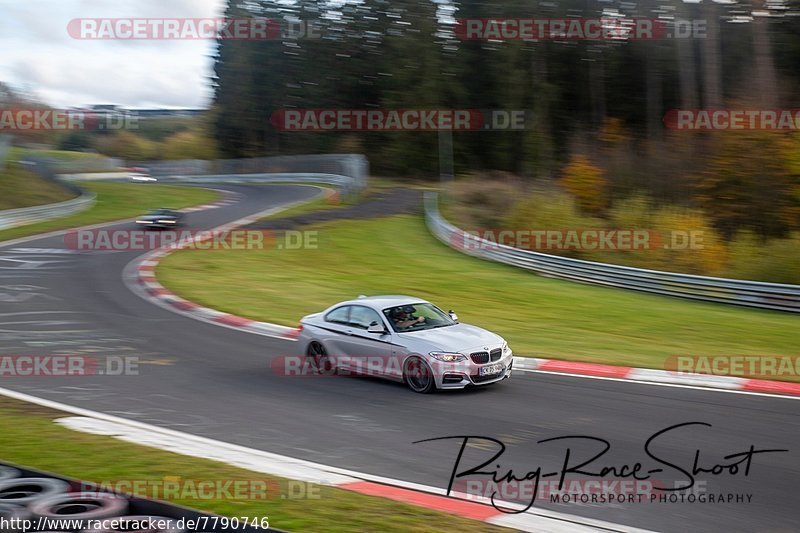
{"x":316,"y":351}
{"x":418,"y":376}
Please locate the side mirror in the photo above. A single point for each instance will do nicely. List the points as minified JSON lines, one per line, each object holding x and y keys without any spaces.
{"x":453,"y":315}
{"x":376,"y":328}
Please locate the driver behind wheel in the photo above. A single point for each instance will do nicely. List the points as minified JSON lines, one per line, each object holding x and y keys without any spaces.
{"x":403,"y":319}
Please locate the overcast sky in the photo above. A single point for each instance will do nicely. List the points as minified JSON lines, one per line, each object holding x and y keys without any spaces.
{"x":40,"y":57}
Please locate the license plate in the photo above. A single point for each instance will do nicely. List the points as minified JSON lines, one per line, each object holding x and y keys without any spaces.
{"x":489,"y":370}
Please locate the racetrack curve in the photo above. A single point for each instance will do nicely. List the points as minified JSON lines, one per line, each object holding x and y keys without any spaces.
{"x":217,"y":382}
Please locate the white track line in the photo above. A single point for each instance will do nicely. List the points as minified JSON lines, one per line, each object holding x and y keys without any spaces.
{"x":538,"y":520}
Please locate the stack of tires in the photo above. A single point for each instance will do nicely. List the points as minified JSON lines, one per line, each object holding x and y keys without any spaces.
{"x":29,"y":495}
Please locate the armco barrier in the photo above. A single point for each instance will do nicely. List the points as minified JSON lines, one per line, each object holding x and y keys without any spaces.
{"x":47,"y":169}
{"x":775,"y":296}
{"x":346,"y":171}
{"x":28,"y":215}
{"x":51,"y":167}
{"x":5,"y":146}
{"x":347,"y":184}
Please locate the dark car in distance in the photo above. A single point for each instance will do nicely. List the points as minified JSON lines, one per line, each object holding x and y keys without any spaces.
{"x":162,"y":218}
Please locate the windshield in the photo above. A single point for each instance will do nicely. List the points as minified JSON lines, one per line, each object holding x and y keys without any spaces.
{"x":417,"y":317}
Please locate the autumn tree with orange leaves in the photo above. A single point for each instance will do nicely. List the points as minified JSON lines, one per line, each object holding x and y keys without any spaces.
{"x":586,"y":182}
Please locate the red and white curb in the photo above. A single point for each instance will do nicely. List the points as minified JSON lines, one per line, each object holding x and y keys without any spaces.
{"x":157,"y":293}
{"x":146,"y":285}
{"x":140,"y":277}
{"x":653,"y":376}
{"x":228,"y":198}
{"x":154,"y":291}
{"x":534,"y":520}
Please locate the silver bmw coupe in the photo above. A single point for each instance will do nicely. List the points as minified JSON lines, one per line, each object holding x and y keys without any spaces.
{"x":404,"y":339}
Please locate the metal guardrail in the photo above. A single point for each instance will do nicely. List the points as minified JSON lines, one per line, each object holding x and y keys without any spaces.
{"x":775,"y":296}
{"x":47,"y":169}
{"x":11,"y":218}
{"x":98,"y":164}
{"x":346,"y":171}
{"x":5,"y":146}
{"x":345,"y":183}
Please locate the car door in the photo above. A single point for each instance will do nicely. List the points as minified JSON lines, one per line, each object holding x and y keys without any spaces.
{"x":336,"y":326}
{"x":369,"y":352}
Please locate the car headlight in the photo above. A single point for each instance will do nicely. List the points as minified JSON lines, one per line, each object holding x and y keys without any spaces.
{"x":166,"y":221}
{"x":144,"y":222}
{"x":506,"y":349}
{"x":447,"y":357}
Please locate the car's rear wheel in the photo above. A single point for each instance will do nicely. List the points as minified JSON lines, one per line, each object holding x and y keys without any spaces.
{"x":418,"y":376}
{"x":318,"y":354}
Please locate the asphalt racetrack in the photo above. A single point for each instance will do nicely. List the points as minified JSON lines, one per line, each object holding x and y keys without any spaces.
{"x":216,"y":382}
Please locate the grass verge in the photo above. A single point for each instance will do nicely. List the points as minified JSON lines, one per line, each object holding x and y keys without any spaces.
{"x":117,"y":201}
{"x":323,"y":203}
{"x":21,"y":188}
{"x":539,"y":317}
{"x":333,"y":200}
{"x":31,"y":438}
{"x":17,"y":152}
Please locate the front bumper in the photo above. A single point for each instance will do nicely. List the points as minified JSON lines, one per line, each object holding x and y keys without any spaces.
{"x":460,"y":375}
{"x":156,"y":225}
